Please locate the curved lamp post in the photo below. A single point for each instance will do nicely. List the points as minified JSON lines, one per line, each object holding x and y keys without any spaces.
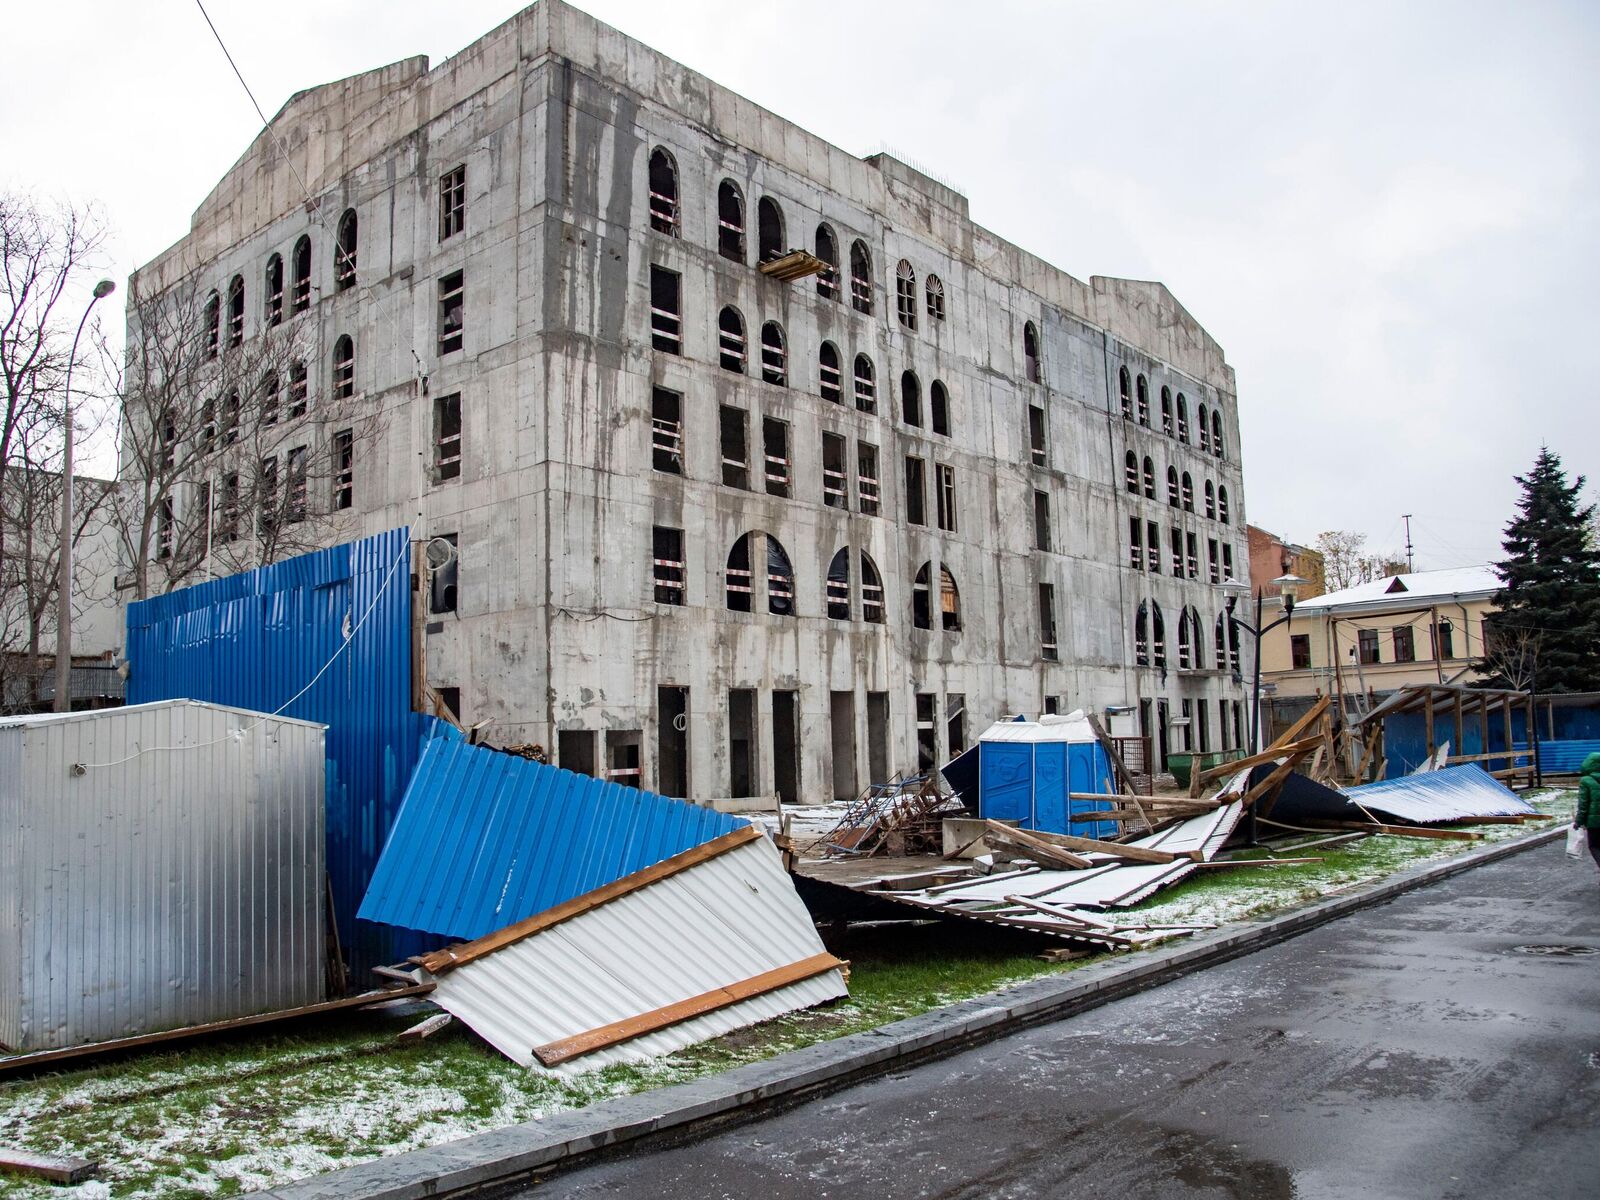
{"x":64,"y":581}
{"x":1288,"y":587}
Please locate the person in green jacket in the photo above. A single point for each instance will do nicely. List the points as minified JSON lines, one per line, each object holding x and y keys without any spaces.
{"x":1589,"y":804}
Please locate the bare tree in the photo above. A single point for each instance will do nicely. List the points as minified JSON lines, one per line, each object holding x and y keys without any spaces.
{"x":1510,"y":655}
{"x":1346,"y":563}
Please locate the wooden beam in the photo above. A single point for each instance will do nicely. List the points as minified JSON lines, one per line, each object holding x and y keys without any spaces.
{"x":553,"y":1053}
{"x":450,"y":957}
{"x":1119,"y":849}
{"x":1118,"y":767}
{"x":57,"y":1168}
{"x":1457,"y":835}
{"x":1456,"y":759}
{"x":1304,"y":723}
{"x":1261,"y":756}
{"x":1032,"y":846}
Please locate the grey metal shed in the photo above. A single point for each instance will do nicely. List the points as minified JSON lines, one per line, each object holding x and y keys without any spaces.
{"x":161,"y":865}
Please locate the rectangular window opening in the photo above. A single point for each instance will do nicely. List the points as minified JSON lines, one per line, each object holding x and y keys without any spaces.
{"x":1036,"y":443}
{"x":667,"y":567}
{"x":945,"y":475}
{"x":1047,"y":622}
{"x":868,"y":497}
{"x":452,"y":202}
{"x":452,"y":302}
{"x":916,"y":512}
{"x":344,"y":469}
{"x":447,"y":438}
{"x":835,"y":483}
{"x":775,"y":450}
{"x":666,"y":431}
{"x":735,"y":447}
{"x":666,"y":310}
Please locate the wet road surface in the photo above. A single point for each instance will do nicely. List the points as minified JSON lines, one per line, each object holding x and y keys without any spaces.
{"x":1435,"y":1046}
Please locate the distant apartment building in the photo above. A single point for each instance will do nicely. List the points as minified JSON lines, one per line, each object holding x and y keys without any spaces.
{"x":766,"y":470}
{"x":1271,"y":558}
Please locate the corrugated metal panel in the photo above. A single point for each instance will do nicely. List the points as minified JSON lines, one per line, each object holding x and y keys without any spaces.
{"x":177,"y":879}
{"x":1062,"y":729}
{"x":730,"y":918}
{"x":485,"y":839}
{"x":1451,"y":794}
{"x":259,"y":639}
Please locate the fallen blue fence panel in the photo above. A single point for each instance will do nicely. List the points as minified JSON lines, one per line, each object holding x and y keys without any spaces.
{"x":485,"y":839}
{"x":324,"y":637}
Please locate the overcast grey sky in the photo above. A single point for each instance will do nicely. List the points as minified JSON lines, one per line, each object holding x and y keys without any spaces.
{"x":1385,"y":212}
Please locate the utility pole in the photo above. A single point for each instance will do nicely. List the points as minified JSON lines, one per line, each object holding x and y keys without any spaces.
{"x":1410,"y":566}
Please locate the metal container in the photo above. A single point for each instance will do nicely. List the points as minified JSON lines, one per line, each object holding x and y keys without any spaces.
{"x":162,"y":866}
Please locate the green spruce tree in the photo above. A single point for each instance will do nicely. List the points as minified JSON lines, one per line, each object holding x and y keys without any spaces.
{"x":1546,"y":623}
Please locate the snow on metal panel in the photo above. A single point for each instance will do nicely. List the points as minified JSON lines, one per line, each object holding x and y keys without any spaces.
{"x":259,"y":639}
{"x":485,"y":839}
{"x":1451,"y":794}
{"x":716,"y":923}
{"x":176,"y":879}
{"x":1051,"y":729}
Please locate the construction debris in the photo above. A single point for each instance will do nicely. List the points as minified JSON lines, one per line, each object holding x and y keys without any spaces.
{"x":57,"y":1168}
{"x":903,"y":816}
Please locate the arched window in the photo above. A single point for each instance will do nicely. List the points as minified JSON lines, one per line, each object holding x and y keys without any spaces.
{"x":274,"y":291}
{"x":1149,"y":478}
{"x":236,"y":311}
{"x":872,"y":606}
{"x":300,"y":296}
{"x":212,"y":325}
{"x":1222,"y":640}
{"x":344,"y":368}
{"x":1131,"y":470}
{"x":1030,"y":352}
{"x":839,"y":586}
{"x":1222,"y":503}
{"x":827,"y":249}
{"x":922,"y":599}
{"x":730,"y":340}
{"x":1183,"y":419}
{"x":344,"y":252}
{"x":740,"y":575}
{"x":1172,"y":486}
{"x":1211,"y":501}
{"x":1125,"y":392}
{"x":299,"y":389}
{"x":1188,"y":492}
{"x":1142,"y":386}
{"x":935,"y":292}
{"x":1197,"y":634}
{"x":1216,"y":432}
{"x":939,"y":408}
{"x":730,"y":221}
{"x":1205,"y":430}
{"x":738,"y":582}
{"x":860,"y":277}
{"x":270,"y":398}
{"x":866,"y":385}
{"x":769,"y":229}
{"x":774,"y":355}
{"x":828,"y":372}
{"x":780,"y":579}
{"x":663,"y":193}
{"x":1158,"y":637}
{"x":910,"y":399}
{"x":905,"y":294}
{"x":1185,"y":642}
{"x":1141,"y":635}
{"x":1167,"y":425}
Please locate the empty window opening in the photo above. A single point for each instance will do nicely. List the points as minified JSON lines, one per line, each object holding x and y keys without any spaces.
{"x":1158,"y":637}
{"x":344,"y":469}
{"x":935,"y":295}
{"x":905,"y":294}
{"x":730,"y":340}
{"x":663,"y":183}
{"x":829,"y":373}
{"x":208,"y":425}
{"x":775,"y":451}
{"x":1141,"y":635}
{"x":452,"y":311}
{"x":1142,"y":390}
{"x":1036,"y":442}
{"x":866,"y":385}
{"x":735,"y":447}
{"x":835,"y":486}
{"x":910,"y":399}
{"x":1130,"y":470}
{"x":827,"y":249}
{"x":1030,"y":352}
{"x":1202,"y":721}
{"x":1168,"y":426}
{"x":868,"y":493}
{"x":786,"y":745}
{"x":575,"y":751}
{"x":666,"y":431}
{"x":300,"y":297}
{"x":842,"y":735}
{"x":1222,"y":504}
{"x":443,"y":581}
{"x":1215,"y":571}
{"x":1185,"y":642}
{"x":1172,"y":487}
{"x":945,"y":475}
{"x":1183,"y":435}
{"x":344,"y":252}
{"x":742,"y":742}
{"x":236,"y":311}
{"x":299,"y":387}
{"x":166,"y":529}
{"x":922,"y":600}
{"x":672,"y":741}
{"x":955,"y":723}
{"x":666,"y":310}
{"x":344,"y":368}
{"x":1300,"y":651}
{"x":1205,"y":430}
{"x":295,"y":508}
{"x":860,"y":277}
{"x":1048,"y":649}
{"x":1136,"y":543}
{"x":667,"y":568}
{"x":271,"y":398}
{"x":1188,"y":492}
{"x":228,"y":508}
{"x":878,"y":756}
{"x":267,"y":494}
{"x":939,"y":408}
{"x":927,"y":731}
{"x":1216,"y":433}
{"x":739,"y":582}
{"x":1227,"y":560}
{"x":1125,"y":391}
{"x":1175,"y":540}
{"x":1152,"y":547}
{"x":1211,"y":502}
{"x":730,"y":221}
{"x":774,"y":355}
{"x":872,"y":604}
{"x":838,"y":586}
{"x":1149,"y":478}
{"x":623,"y":762}
{"x":447,"y":438}
{"x":916,"y":512}
{"x":273,"y":310}
{"x":1191,"y":555}
{"x":213,"y":325}
{"x":769,"y":230}
{"x":232,"y":417}
{"x":452,"y":202}
{"x":1041,"y":520}
{"x":780,"y":579}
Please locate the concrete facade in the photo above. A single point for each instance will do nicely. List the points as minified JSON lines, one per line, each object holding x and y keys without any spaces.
{"x":557,"y":635}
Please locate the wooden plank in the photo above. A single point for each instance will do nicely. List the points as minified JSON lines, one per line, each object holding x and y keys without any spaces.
{"x":1118,"y":767}
{"x":425,"y":1028}
{"x":1457,"y":835}
{"x":1100,"y":929}
{"x":1270,"y":754}
{"x":450,"y":957}
{"x":1034,"y":847}
{"x":552,"y":1053}
{"x":57,"y":1168}
{"x":1115,"y":798}
{"x":1294,"y":731}
{"x":1457,"y":759}
{"x":1119,"y":849}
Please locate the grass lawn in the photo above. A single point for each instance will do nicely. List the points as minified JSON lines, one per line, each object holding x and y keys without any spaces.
{"x":230,"y":1116}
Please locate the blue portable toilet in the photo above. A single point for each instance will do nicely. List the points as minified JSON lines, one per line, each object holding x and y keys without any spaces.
{"x":1027,"y":770}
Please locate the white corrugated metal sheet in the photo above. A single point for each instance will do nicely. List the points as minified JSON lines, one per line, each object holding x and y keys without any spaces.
{"x":162,"y":865}
{"x":727,"y":919}
{"x":1074,"y":727}
{"x":1449,"y":794}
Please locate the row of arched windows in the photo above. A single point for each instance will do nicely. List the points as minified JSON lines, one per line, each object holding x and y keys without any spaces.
{"x":1141,"y":480}
{"x":929,"y":609}
{"x":905,"y":295}
{"x":1134,"y":393}
{"x":1150,"y":639}
{"x":299,"y":297}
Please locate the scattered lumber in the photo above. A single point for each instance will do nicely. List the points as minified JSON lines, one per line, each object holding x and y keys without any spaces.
{"x":1282,"y":745}
{"x":1270,"y":754}
{"x":425,"y":1028}
{"x":1138,"y":854}
{"x":1032,"y":845}
{"x":1064,"y":954}
{"x":1421,"y":831}
{"x":57,"y":1168}
{"x":1257,"y":862}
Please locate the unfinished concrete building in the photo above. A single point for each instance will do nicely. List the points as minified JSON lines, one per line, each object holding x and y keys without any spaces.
{"x":770,"y":473}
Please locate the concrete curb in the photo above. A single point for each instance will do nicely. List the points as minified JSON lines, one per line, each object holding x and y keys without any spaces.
{"x":504,"y":1156}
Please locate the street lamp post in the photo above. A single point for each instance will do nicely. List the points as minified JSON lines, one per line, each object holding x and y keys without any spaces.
{"x":63,"y":702}
{"x":1288,"y":586}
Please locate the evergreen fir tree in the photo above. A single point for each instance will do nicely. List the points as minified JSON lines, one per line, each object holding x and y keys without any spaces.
{"x":1547,"y":618}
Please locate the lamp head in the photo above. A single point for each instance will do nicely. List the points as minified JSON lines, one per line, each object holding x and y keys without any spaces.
{"x":103,"y":289}
{"x":1233,"y":591}
{"x":1289,"y":588}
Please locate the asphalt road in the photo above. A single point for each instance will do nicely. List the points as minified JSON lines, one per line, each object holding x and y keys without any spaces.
{"x":1425,"y":1048}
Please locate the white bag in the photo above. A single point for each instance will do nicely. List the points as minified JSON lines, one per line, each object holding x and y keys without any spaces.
{"x":1577,"y":842}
